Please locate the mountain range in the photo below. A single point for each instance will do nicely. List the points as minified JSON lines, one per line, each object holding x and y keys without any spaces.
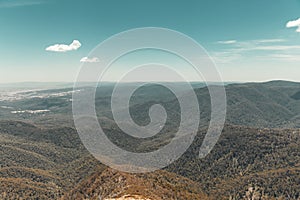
{"x":256,"y":157}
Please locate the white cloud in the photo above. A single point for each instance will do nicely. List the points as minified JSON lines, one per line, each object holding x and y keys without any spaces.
{"x":227,"y":42}
{"x":262,"y":44}
{"x":270,"y":40}
{"x":266,"y":49}
{"x":64,"y":48}
{"x":89,"y":60}
{"x":285,"y":57}
{"x":277,"y":47}
{"x":294,"y":23}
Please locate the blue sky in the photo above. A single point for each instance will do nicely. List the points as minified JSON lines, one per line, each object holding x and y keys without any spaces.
{"x":248,"y":40}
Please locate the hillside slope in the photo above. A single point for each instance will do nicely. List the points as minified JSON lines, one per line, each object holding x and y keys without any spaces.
{"x":111,"y":184}
{"x":36,"y":165}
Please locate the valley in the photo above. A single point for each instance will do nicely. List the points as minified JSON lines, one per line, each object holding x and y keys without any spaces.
{"x":257,"y":155}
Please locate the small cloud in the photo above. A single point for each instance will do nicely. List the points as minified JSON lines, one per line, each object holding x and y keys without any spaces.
{"x":227,"y":42}
{"x":64,"y":47}
{"x":277,"y":47}
{"x":294,"y":23}
{"x":286,"y":57}
{"x":259,"y":48}
{"x":89,"y":60}
{"x":270,"y":40}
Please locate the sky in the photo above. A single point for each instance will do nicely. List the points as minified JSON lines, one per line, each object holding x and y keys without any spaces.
{"x":48,"y":40}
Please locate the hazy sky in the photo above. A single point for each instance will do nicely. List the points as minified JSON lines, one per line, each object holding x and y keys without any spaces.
{"x":248,"y":40}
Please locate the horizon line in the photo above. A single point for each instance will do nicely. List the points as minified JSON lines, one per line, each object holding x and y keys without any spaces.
{"x":192,"y":81}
